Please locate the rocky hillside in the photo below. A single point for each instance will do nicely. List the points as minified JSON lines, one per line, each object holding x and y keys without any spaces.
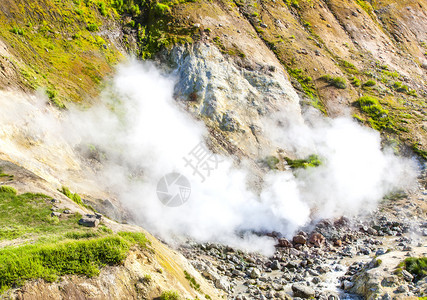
{"x":333,"y":53}
{"x":236,"y":63}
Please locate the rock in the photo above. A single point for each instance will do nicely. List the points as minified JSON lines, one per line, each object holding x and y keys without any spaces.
{"x":222,"y":284}
{"x":338,"y":243}
{"x":67,"y":211}
{"x":255,"y":273}
{"x":98,"y":216}
{"x":89,"y":222}
{"x":303,"y":291}
{"x":316,"y":280}
{"x":407,"y":276}
{"x":275,"y":265}
{"x":402,"y":289}
{"x":284,"y":243}
{"x":263,"y":25}
{"x":54,"y":201}
{"x":347,"y":285}
{"x":317,"y":239}
{"x":299,"y":240}
{"x":386,"y":296}
{"x":210,"y":274}
{"x":55,"y":214}
{"x":390,"y":281}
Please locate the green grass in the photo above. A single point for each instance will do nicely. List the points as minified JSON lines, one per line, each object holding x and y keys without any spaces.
{"x":27,"y":215}
{"x":355,"y":81}
{"x":369,"y":83}
{"x":337,"y":82}
{"x":416,"y":266}
{"x":75,"y":197}
{"x":271,"y":162}
{"x":416,"y":147}
{"x":308,"y":87}
{"x":311,"y":161}
{"x":58,"y":246}
{"x":54,"y":46}
{"x":192,"y":281}
{"x":169,"y":295}
{"x":379,"y":118}
{"x":48,"y":261}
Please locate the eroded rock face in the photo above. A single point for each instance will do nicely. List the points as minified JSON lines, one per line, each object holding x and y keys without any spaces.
{"x":231,"y":93}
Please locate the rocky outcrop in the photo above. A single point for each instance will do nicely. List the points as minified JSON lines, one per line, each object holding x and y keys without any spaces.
{"x":231,"y":93}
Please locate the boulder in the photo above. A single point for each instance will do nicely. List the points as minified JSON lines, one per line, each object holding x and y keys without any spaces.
{"x":55,"y":214}
{"x":299,"y":240}
{"x":89,"y":222}
{"x":255,"y":273}
{"x":222,"y":284}
{"x":275,"y":265}
{"x":317,"y":239}
{"x":303,"y":291}
{"x":284,"y":243}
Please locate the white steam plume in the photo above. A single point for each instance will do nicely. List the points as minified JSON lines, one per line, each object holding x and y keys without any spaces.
{"x":145,"y":134}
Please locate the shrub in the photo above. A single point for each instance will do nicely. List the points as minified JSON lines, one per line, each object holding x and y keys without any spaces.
{"x":337,"y":82}
{"x":369,"y":83}
{"x":17,"y":30}
{"x":378,"y":116}
{"x":355,"y":81}
{"x":161,"y":9}
{"x":311,"y":161}
{"x":75,"y":197}
{"x":169,"y":295}
{"x":192,"y":281}
{"x":416,"y":266}
{"x":102,"y":9}
{"x":92,"y":27}
{"x":7,"y":189}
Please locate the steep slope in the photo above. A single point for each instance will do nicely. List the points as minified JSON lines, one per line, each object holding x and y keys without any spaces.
{"x":147,"y":269}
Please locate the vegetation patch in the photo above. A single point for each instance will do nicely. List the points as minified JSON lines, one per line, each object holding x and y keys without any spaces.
{"x":308,"y":88}
{"x":73,"y":196}
{"x":337,"y":82}
{"x":48,"y":261}
{"x":271,"y":162}
{"x":416,"y":266}
{"x":369,"y":83}
{"x":58,"y":246}
{"x":192,"y":281}
{"x":355,"y":81}
{"x":379,"y":117}
{"x":311,"y":161}
{"x":169,"y":295}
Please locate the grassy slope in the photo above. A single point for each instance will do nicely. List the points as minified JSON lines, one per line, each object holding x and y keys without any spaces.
{"x":59,"y":246}
{"x":62,"y":46}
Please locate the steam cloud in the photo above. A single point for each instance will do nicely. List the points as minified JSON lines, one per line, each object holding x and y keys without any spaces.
{"x":145,"y":134}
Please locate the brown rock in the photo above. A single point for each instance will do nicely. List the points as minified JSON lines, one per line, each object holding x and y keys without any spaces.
{"x":338,"y":243}
{"x":299,"y":239}
{"x":284,"y":243}
{"x":317,"y":239}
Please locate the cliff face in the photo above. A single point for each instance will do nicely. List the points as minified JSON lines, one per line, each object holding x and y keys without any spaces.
{"x":333,"y":51}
